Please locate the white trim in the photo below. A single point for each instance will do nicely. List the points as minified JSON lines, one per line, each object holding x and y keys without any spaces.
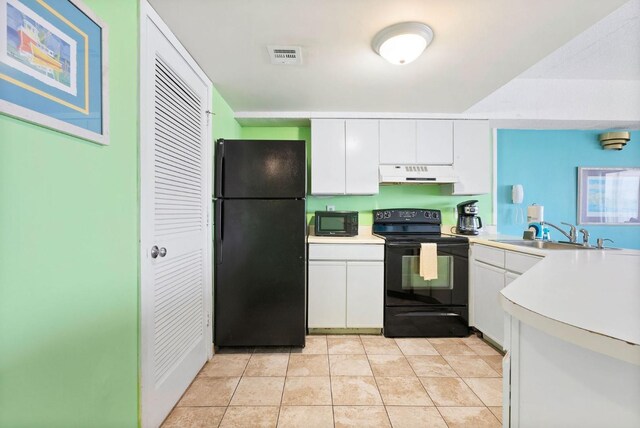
{"x":506,"y":121}
{"x":494,"y":178}
{"x":146,"y":10}
{"x":149,"y":15}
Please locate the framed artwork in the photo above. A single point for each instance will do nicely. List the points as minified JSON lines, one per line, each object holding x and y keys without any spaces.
{"x":53,"y":66}
{"x":609,"y":196}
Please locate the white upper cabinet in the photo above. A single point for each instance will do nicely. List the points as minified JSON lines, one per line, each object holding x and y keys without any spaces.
{"x":346,"y":153}
{"x":411,"y":142}
{"x":397,"y":142}
{"x":327,"y":157}
{"x":344,"y":157}
{"x":472,"y":157}
{"x":361,"y":157}
{"x":434,"y":142}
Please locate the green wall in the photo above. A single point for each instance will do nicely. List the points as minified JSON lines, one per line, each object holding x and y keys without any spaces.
{"x":69,"y":293}
{"x":393,"y":196}
{"x":69,"y":259}
{"x":224,"y":124}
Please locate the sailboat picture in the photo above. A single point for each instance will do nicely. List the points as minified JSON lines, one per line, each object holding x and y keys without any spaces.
{"x":53,"y":66}
{"x":39,"y":49}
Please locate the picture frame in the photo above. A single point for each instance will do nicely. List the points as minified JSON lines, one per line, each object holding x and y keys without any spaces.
{"x":609,"y":196}
{"x":54,"y":66}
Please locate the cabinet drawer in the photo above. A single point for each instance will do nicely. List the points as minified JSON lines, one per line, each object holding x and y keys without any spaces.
{"x":346,"y":252}
{"x":518,"y":262}
{"x":489,"y":255}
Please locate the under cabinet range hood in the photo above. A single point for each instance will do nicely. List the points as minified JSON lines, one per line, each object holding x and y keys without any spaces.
{"x":417,"y":174}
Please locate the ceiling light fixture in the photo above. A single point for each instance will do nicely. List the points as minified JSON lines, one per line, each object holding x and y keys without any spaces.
{"x":402,"y":43}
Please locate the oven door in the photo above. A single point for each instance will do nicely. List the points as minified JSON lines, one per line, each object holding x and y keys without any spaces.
{"x":405,"y":287}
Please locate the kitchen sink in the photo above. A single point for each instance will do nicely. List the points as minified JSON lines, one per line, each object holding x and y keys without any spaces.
{"x":546,"y":245}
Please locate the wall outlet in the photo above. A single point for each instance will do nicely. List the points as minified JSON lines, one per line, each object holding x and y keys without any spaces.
{"x":331,"y":207}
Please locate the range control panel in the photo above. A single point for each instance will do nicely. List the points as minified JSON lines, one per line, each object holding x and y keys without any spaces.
{"x":407,"y":215}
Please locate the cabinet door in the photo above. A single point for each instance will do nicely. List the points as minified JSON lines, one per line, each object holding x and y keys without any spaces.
{"x":488,"y":314}
{"x":472,"y":154}
{"x":327,"y":294}
{"x":361,"y":157}
{"x":365,"y":294}
{"x":509,"y":277}
{"x":518,"y":262}
{"x":327,"y":157}
{"x":397,"y":141}
{"x":434,"y":142}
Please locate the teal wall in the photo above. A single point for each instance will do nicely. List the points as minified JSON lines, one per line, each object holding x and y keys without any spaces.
{"x":546,"y":164}
{"x":69,"y":259}
{"x":396,"y":196}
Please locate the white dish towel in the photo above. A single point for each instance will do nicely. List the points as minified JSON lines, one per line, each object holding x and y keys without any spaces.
{"x":428,"y":261}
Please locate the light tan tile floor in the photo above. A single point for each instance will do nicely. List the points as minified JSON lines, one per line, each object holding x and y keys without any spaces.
{"x":348,"y":381}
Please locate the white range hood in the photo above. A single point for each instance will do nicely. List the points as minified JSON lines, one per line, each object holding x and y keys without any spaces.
{"x":417,"y":174}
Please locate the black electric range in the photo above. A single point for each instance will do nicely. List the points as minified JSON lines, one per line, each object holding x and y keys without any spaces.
{"x":415,"y":307}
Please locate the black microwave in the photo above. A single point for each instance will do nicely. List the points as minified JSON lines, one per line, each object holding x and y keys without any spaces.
{"x":336,"y":223}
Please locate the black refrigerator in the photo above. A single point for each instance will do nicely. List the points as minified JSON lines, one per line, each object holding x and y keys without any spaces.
{"x":260,"y":245}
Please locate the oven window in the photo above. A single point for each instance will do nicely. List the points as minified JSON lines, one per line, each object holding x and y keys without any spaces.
{"x":411,"y":279}
{"x":332,"y":224}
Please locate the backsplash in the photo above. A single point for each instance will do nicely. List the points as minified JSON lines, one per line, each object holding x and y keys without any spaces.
{"x":400,"y":196}
{"x":390,"y":196}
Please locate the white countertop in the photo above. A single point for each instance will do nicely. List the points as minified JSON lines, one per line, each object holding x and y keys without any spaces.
{"x":588,"y":297}
{"x":364,"y":237}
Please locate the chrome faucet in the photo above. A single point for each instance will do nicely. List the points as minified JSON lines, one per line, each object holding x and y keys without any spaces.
{"x":600,"y":242}
{"x":585,"y":237}
{"x":572,"y":236}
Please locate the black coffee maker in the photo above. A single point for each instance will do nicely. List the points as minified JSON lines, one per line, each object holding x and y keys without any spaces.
{"x":468,"y":220}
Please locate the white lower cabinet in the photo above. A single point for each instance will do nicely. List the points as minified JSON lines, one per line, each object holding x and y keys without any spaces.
{"x":489,"y":281}
{"x":551,"y":382}
{"x":327,"y":297}
{"x":365,"y":294}
{"x":492,"y":269}
{"x":509,"y":277}
{"x":346,"y":292}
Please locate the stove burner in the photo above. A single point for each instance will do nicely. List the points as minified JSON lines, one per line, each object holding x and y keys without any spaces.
{"x":411,"y":225}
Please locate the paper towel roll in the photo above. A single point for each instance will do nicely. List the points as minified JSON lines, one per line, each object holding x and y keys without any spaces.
{"x":535,"y":213}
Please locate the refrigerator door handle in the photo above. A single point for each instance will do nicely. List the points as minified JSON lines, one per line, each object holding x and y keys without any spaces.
{"x":219,"y":168}
{"x":219,"y":229}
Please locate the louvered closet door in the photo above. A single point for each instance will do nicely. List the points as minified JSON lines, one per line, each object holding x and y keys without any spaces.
{"x":175,"y":195}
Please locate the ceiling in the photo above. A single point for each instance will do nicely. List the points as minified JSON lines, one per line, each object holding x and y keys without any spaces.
{"x":608,"y":50}
{"x":478,"y":47}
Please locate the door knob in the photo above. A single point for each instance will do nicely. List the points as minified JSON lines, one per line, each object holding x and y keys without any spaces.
{"x":155,"y":252}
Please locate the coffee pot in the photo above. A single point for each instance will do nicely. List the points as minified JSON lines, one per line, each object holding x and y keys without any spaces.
{"x":468,"y":221}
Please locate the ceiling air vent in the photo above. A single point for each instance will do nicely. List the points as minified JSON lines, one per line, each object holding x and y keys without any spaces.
{"x":288,"y":55}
